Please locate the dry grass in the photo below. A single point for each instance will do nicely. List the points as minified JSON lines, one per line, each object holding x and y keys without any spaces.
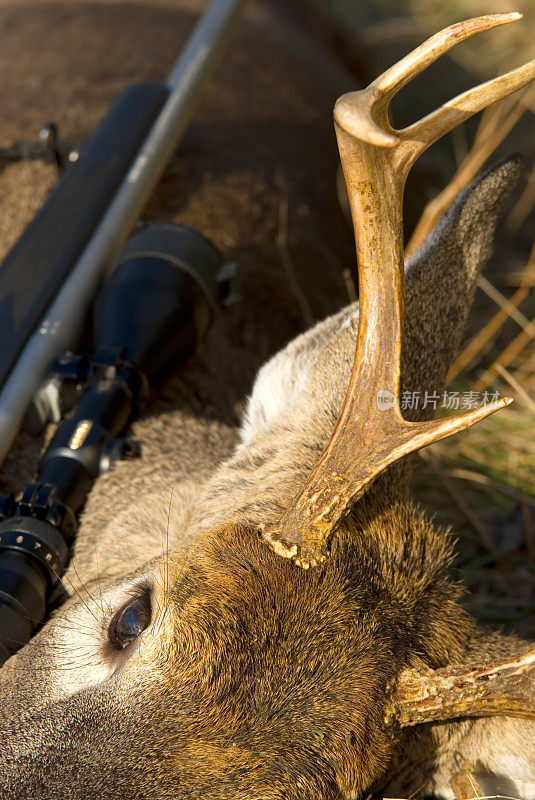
{"x":487,"y":476}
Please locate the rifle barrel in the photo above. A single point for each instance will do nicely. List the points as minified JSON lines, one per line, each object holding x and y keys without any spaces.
{"x":62,"y":322}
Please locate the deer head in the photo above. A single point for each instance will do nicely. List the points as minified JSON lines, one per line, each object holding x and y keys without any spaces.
{"x":226,"y":669}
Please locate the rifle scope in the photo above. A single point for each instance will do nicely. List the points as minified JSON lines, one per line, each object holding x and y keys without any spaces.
{"x":156,"y":306}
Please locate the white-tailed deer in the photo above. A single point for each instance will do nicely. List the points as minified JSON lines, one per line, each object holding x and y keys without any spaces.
{"x":225,"y":670}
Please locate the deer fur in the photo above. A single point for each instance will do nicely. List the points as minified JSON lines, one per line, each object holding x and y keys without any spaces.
{"x":256,"y":679}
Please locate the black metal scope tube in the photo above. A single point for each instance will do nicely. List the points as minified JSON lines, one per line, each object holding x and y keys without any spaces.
{"x":152,"y":313}
{"x":167,"y":113}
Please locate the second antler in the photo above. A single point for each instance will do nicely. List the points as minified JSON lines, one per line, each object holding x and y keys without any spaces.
{"x":376,"y":160}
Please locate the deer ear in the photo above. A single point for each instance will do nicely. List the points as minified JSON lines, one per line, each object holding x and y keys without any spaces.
{"x":442,"y":275}
{"x":484,"y":689}
{"x":369,"y":438}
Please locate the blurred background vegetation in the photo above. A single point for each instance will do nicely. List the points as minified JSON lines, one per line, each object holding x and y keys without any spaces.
{"x":483,"y":481}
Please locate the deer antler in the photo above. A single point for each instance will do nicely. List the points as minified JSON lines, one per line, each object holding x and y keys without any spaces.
{"x":376,"y":160}
{"x":475,"y":690}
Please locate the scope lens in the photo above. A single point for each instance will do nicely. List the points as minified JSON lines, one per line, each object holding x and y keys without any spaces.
{"x":22,"y":601}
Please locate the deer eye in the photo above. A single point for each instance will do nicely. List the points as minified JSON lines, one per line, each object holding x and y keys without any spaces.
{"x":130,"y":621}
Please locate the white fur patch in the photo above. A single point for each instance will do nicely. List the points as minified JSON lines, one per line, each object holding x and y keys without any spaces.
{"x":276,"y":389}
{"x":77,"y":639}
{"x":281,"y":380}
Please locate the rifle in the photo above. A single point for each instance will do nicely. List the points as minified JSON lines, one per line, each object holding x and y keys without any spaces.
{"x":49,"y":278}
{"x":155,"y":307}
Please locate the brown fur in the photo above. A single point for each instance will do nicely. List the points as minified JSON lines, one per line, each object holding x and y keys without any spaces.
{"x":255,"y":679}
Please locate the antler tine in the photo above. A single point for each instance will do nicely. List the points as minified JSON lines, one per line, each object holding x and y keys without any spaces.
{"x":466,"y":690}
{"x":425,"y":132}
{"x":353,"y":111}
{"x":371,"y":433}
{"x":433,"y":48}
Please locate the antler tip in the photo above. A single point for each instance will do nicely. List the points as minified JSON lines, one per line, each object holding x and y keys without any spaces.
{"x":486,"y":22}
{"x":491,"y":408}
